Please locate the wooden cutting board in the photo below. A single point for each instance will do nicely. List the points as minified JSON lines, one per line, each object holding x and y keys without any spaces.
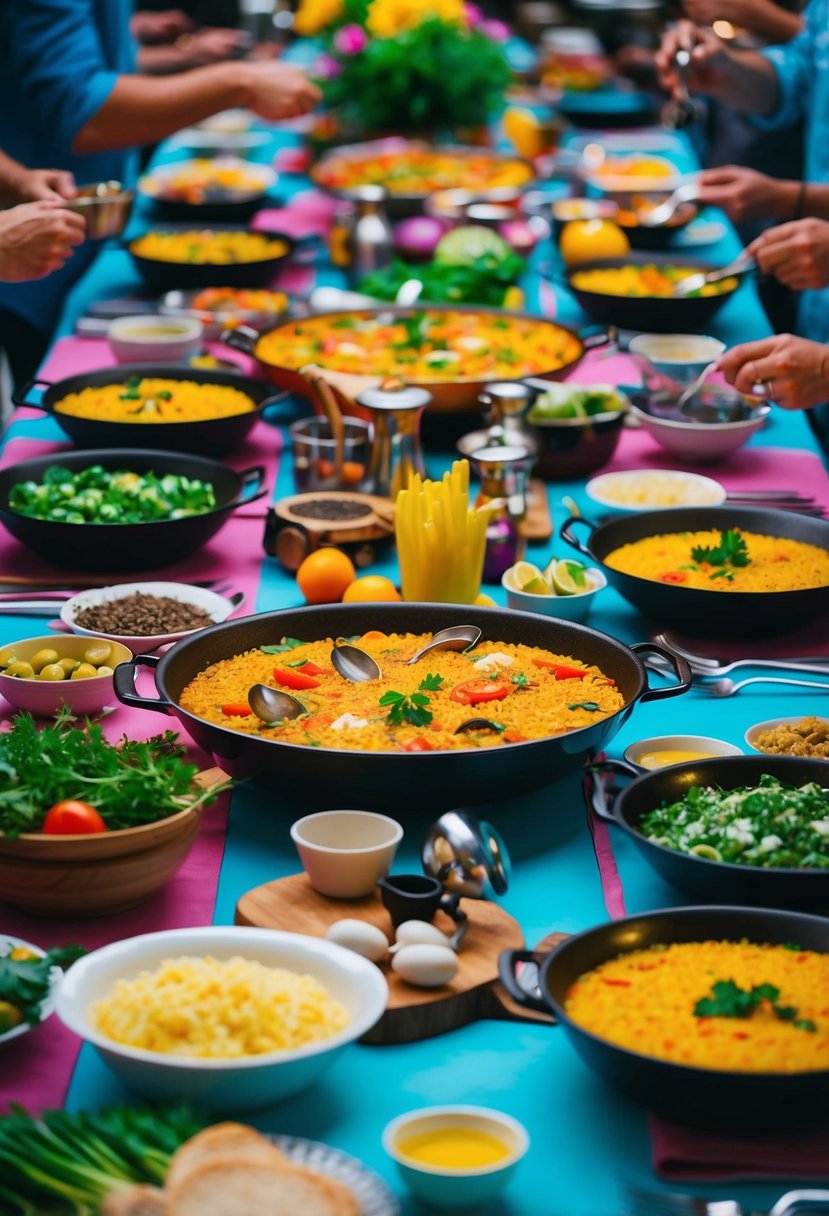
{"x":412,"y":1013}
{"x":537,"y":524}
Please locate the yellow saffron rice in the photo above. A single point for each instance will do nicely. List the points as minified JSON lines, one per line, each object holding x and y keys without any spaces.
{"x":155,"y":400}
{"x":644,"y":1001}
{"x":218,"y":1009}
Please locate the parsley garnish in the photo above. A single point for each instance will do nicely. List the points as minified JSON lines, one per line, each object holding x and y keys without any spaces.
{"x":285,"y":644}
{"x":589,"y":705}
{"x":413,"y":709}
{"x":732,"y":550}
{"x":520,"y":680}
{"x":430,"y":683}
{"x":728,"y":1000}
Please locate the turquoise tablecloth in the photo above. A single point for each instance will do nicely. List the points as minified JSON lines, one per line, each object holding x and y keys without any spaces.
{"x":585,"y":1139}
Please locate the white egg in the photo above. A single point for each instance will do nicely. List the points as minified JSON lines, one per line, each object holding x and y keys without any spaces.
{"x":425,"y":965}
{"x":359,"y":936}
{"x":414,"y":932}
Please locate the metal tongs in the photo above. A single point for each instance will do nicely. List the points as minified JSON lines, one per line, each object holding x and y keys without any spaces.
{"x":680,"y":111}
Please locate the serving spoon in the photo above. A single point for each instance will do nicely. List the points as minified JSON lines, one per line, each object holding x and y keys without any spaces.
{"x":354,"y":664}
{"x":695,"y":282}
{"x":458,"y":637}
{"x":660,"y":215}
{"x":273,"y":706}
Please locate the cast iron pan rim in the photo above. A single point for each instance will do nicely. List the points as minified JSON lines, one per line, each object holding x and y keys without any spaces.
{"x":681,"y":1072}
{"x":369,"y":757}
{"x":720,"y":866}
{"x":92,"y":453}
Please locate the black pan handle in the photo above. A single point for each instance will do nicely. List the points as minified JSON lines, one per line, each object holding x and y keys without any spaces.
{"x":508,"y":961}
{"x":684,"y":675}
{"x":276,"y":399}
{"x":566,"y":533}
{"x":19,"y":395}
{"x":594,"y":336}
{"x":252,"y":487}
{"x":603,"y":798}
{"x":243,"y":338}
{"x":123,"y":679}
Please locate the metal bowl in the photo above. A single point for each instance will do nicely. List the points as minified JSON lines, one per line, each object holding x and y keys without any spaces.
{"x":711,"y":1098}
{"x":439,"y":779}
{"x":714,"y":614}
{"x":106,"y":207}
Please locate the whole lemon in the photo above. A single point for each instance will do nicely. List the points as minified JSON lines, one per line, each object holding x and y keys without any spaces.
{"x":587,"y":240}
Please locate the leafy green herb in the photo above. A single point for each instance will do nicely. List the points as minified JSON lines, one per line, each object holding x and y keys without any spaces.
{"x":520,"y":680}
{"x":67,"y":1163}
{"x":729,"y":1000}
{"x":285,"y":645}
{"x":25,"y":982}
{"x":413,"y":709}
{"x":128,"y":783}
{"x":430,"y":683}
{"x":355,"y":637}
{"x":164,"y":396}
{"x":96,"y":495}
{"x":592,"y":706}
{"x":297,"y":663}
{"x":732,"y":550}
{"x":485,"y":281}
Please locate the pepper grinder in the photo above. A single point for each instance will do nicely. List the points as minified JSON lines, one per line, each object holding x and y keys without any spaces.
{"x":503,"y":472}
{"x":396,"y":455}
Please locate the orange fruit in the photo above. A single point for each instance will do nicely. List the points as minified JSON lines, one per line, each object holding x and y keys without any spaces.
{"x":371,"y":589}
{"x":524,"y":131}
{"x":484,"y":601}
{"x":585,"y":240}
{"x":324,"y":576}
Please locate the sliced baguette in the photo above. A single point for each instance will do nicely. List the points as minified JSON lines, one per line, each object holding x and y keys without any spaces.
{"x":223,"y":1140}
{"x":229,"y":1187}
{"x":138,"y":1200}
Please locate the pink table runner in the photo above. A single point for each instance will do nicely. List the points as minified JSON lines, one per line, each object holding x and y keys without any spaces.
{"x":37,"y":1069}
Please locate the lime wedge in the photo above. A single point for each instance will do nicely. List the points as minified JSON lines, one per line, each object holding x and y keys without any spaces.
{"x":517,"y":577}
{"x":569,"y":578}
{"x":463,"y":246}
{"x":706,"y":851}
{"x":537,"y":586}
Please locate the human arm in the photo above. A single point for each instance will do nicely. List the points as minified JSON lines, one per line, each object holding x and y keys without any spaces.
{"x":21,"y":185}
{"x":142,"y":110}
{"x":37,"y":238}
{"x":744,"y":194}
{"x":150,"y":28}
{"x":792,"y":371}
{"x":796,"y":254}
{"x":762,"y":17}
{"x":745,"y":80}
{"x":191,"y":50}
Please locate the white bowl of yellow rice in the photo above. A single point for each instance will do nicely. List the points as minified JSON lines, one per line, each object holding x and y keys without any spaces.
{"x":226,"y":1017}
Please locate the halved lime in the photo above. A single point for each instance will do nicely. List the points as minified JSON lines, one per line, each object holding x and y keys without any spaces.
{"x":537,"y":586}
{"x":707,"y":851}
{"x":517,"y":577}
{"x":463,"y":246}
{"x":569,"y":578}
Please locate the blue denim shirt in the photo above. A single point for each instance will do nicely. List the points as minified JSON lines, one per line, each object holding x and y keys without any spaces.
{"x":59,"y":61}
{"x":802,"y":69}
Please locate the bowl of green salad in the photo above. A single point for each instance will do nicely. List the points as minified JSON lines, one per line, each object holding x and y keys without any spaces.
{"x":742,"y":829}
{"x":117,"y":509}
{"x":576,"y":427}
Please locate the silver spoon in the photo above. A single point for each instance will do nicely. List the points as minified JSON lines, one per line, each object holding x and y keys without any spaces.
{"x":477,"y":724}
{"x":273,"y":706}
{"x":666,"y":211}
{"x":458,"y":637}
{"x":695,"y":282}
{"x":695,"y":385}
{"x":681,"y":110}
{"x":727,"y":688}
{"x":354,"y":664}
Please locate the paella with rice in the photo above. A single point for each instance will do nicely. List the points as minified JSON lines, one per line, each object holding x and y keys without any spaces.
{"x":154,"y":399}
{"x":738,"y":1006}
{"x":524,"y":692}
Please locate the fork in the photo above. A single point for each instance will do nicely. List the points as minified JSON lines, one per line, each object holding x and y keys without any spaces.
{"x":642,"y":1202}
{"x":727,"y":688}
{"x":695,"y":282}
{"x":705,"y":665}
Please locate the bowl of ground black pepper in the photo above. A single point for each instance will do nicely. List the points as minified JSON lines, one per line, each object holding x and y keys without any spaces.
{"x":145,"y":616}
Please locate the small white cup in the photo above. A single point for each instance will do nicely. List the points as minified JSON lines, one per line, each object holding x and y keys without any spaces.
{"x":346,"y":853}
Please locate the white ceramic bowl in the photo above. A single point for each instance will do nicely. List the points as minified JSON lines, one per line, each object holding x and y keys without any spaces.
{"x":701,"y":442}
{"x":226,"y":1085}
{"x":680,"y":358}
{"x":47,"y":1006}
{"x":772,"y":723}
{"x":346,"y":853}
{"x":565,"y":607}
{"x":154,"y":339}
{"x":452,"y":1188}
{"x":689,"y":490}
{"x":44,"y":698}
{"x":703,"y":744}
{"x":216,"y":606}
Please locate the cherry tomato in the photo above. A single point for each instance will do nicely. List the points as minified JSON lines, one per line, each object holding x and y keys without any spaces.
{"x":561,"y":672}
{"x":290,"y":677}
{"x":476,"y":691}
{"x":418,"y":744}
{"x":673,"y":576}
{"x":72,"y":818}
{"x":236,"y":709}
{"x":309,"y":669}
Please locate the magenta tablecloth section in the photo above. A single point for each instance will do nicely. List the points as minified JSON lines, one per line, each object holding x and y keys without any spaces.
{"x":683,"y":1155}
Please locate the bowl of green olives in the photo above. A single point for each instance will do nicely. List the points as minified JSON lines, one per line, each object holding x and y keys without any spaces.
{"x":42,"y":675}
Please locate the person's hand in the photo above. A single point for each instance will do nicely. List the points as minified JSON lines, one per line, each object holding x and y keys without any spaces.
{"x":797,"y":254}
{"x":37,"y":238}
{"x":706,"y":12}
{"x":709,"y":58}
{"x":279,"y":90}
{"x":211,"y":45}
{"x":159,"y":28}
{"x":743,"y":194}
{"x":791,"y":371}
{"x":36,"y":184}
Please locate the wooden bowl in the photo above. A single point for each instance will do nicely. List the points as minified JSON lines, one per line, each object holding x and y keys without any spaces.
{"x":94,"y":875}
